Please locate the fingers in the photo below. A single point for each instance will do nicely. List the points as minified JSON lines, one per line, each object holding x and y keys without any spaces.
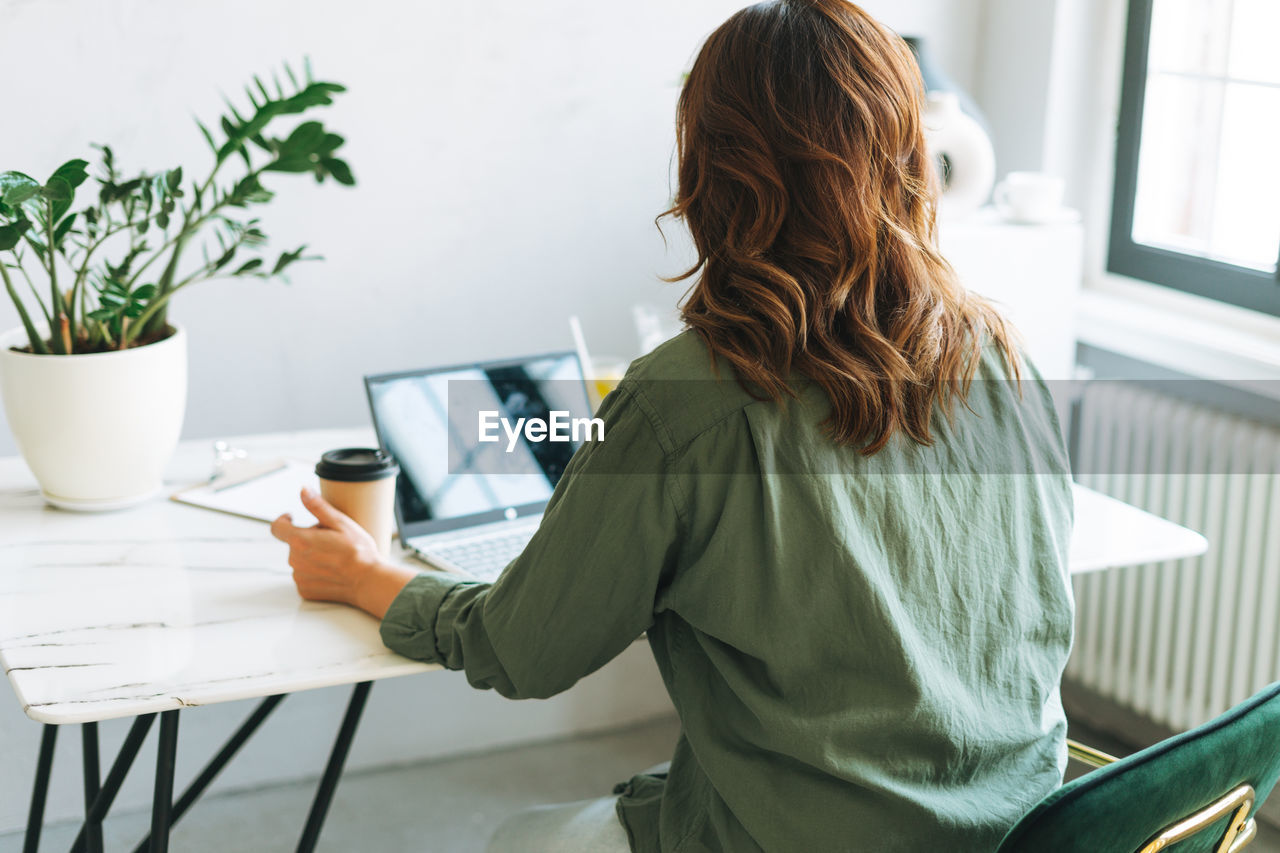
{"x":283,"y":528}
{"x":326,"y":513}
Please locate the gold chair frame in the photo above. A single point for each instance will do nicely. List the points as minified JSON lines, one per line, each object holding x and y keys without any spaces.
{"x":1241,"y":830}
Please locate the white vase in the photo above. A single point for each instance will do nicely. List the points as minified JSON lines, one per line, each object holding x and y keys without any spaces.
{"x":96,"y":429}
{"x":961,"y":141}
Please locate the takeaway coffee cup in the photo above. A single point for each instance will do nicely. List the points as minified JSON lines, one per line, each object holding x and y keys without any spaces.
{"x":361,"y":482}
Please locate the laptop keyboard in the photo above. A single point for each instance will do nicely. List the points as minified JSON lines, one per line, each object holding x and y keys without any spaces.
{"x":484,"y":556}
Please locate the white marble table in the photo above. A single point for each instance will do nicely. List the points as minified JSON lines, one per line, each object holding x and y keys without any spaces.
{"x":167,"y":605}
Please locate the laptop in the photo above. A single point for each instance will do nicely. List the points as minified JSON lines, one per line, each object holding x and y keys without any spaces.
{"x":473,"y":484}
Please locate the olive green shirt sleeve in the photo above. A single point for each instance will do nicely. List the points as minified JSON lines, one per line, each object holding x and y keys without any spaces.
{"x":581,"y":591}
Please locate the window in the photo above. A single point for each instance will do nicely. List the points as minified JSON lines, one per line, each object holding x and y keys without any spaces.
{"x":1197,"y":189}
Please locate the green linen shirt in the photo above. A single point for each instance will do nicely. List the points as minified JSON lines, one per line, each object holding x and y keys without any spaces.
{"x":864,"y":652}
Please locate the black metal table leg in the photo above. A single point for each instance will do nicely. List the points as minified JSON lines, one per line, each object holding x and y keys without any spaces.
{"x":115,"y":778}
{"x":100,"y":794}
{"x":92,"y":779}
{"x":333,"y":770}
{"x":40,"y":790}
{"x":162,"y":802}
{"x":214,"y":767}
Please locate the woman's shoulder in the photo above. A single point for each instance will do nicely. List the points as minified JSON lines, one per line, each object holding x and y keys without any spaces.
{"x":684,"y":357}
{"x":683,"y":390}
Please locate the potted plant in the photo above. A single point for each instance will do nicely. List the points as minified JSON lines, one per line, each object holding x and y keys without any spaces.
{"x":94,"y":380}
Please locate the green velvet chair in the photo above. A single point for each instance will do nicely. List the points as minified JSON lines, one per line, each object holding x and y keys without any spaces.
{"x":1192,"y":793}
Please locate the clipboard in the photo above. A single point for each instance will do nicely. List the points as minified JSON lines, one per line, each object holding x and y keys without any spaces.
{"x":261,"y":492}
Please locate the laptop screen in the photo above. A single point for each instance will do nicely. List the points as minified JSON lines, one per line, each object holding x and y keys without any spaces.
{"x":433,"y":422}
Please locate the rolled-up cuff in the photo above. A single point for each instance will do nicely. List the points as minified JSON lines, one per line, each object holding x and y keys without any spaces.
{"x":409,"y":626}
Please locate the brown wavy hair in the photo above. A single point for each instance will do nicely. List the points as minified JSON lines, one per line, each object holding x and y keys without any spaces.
{"x":804,"y":180}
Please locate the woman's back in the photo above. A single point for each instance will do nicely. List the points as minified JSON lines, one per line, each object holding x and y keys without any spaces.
{"x":864,"y":650}
{"x":850,"y":560}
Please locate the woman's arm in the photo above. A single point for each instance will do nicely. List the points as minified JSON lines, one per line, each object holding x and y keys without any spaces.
{"x":579,"y":594}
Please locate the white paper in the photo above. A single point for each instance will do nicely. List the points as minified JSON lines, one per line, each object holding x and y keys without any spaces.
{"x":263,"y":498}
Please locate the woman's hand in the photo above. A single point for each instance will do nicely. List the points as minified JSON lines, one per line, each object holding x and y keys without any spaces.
{"x":337,"y":559}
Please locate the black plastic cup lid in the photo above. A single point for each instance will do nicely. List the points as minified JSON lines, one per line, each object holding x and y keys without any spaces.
{"x":356,"y":465}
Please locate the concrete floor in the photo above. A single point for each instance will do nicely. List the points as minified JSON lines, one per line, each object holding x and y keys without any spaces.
{"x":447,"y":806}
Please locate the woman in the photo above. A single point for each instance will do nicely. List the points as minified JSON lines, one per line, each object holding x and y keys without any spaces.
{"x":840,"y":522}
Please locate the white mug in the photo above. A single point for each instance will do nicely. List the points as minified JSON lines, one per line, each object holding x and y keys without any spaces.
{"x":1029,"y":196}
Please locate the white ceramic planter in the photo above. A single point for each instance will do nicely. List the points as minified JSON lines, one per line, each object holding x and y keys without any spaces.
{"x":96,"y":429}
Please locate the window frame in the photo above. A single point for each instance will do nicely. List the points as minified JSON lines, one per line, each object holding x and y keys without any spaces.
{"x":1225,"y":282}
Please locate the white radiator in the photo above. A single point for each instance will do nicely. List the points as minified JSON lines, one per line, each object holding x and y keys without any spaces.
{"x":1180,"y":642}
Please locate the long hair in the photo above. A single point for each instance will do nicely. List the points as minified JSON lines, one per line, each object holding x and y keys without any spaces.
{"x":805,"y":183}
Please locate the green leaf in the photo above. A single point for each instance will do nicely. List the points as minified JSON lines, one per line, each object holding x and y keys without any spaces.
{"x":11,"y":234}
{"x":74,"y":172}
{"x":249,"y":191}
{"x":331,"y":142}
{"x":300,"y":163}
{"x":315,"y":94}
{"x":225,"y":258}
{"x":287,"y":258}
{"x":15,"y":188}
{"x":35,"y":243}
{"x":262,"y":142}
{"x":61,"y":191}
{"x":145,"y":292}
{"x":108,"y":162}
{"x":58,"y":189}
{"x":304,"y":139}
{"x":232,"y":108}
{"x":64,"y":227}
{"x":208,"y":137}
{"x":248,"y":266}
{"x":340,"y":170}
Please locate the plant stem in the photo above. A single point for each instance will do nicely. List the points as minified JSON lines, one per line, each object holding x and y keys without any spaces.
{"x":178,"y":239}
{"x":39,"y":301}
{"x":51,"y":258}
{"x":110,"y":232}
{"x":165,"y":286}
{"x":157,"y":303}
{"x":37,"y":343}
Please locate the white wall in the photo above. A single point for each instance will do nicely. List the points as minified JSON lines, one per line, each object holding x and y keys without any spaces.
{"x":1013,"y":78}
{"x":511,"y":157}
